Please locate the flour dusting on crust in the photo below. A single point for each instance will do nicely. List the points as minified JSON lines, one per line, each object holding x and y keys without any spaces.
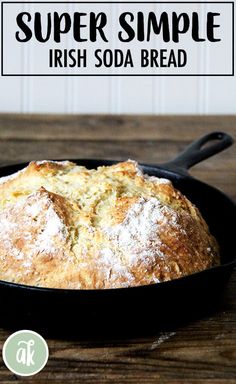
{"x":35,"y":220}
{"x":58,"y":162}
{"x":54,"y":228}
{"x":138,"y":234}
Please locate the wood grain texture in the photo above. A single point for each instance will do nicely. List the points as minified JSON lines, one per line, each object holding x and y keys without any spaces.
{"x":203,"y":351}
{"x":111,"y":127}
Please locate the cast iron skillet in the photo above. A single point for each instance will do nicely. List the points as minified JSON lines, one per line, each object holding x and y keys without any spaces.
{"x":139,"y":308}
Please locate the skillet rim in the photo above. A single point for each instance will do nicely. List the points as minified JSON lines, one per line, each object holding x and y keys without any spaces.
{"x":174,"y":172}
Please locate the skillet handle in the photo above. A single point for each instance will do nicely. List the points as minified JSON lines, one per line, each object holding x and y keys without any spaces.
{"x":194,"y":153}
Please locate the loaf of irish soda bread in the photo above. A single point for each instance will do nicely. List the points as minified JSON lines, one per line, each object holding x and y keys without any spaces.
{"x":64,"y":226}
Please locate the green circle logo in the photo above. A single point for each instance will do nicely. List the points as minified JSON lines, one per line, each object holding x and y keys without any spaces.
{"x":25,"y":353}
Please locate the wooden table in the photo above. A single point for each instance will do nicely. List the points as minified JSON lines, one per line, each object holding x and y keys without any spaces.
{"x":201,"y":351}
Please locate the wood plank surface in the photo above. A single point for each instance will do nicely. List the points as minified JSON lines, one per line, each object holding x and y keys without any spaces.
{"x":201,"y":351}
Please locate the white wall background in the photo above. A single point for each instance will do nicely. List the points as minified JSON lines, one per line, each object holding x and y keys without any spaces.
{"x":128,"y":95}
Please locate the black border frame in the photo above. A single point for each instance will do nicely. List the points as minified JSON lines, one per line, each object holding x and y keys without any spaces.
{"x":117,"y":2}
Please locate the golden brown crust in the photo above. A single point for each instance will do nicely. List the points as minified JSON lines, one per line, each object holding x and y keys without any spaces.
{"x":64,"y":226}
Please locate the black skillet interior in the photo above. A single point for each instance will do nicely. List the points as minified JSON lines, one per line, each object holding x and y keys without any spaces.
{"x":139,"y":309}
